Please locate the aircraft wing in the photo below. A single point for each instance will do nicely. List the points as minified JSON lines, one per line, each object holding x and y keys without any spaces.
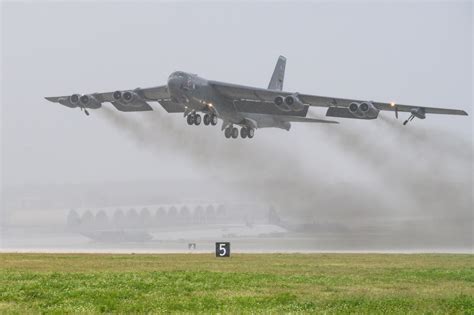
{"x":244,"y":93}
{"x":126,"y":101}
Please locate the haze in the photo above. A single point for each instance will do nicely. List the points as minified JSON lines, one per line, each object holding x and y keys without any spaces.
{"x":354,"y":173}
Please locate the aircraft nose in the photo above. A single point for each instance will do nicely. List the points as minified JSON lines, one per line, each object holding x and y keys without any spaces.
{"x":175,"y":82}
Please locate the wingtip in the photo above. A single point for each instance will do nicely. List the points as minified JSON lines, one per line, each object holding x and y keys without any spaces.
{"x":48,"y":98}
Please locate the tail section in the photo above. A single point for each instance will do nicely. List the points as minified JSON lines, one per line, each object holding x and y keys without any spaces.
{"x":276,"y":83}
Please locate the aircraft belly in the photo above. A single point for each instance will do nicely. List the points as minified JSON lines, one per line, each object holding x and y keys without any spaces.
{"x":267,"y":121}
{"x":266,"y":108}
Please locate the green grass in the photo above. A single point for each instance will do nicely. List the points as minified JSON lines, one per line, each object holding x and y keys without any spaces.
{"x":245,"y":283}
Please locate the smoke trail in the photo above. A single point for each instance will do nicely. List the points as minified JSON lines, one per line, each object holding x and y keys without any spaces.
{"x":272,"y":174}
{"x":275,"y":175}
{"x":230,"y":157}
{"x":404,"y":184}
{"x":422,"y":172}
{"x":437,"y":141}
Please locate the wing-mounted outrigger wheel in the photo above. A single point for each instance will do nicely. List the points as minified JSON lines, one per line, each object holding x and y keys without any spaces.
{"x":85,"y":110}
{"x":415,"y":112}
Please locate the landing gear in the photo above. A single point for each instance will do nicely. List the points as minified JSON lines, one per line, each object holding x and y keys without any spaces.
{"x":193,"y":119}
{"x":190,"y":119}
{"x":207,"y":119}
{"x":416,"y":112}
{"x":197,"y":119}
{"x":409,"y":119}
{"x":85,"y":111}
{"x":243,"y":133}
{"x":247,"y":132}
{"x":233,"y":132}
{"x":250,"y":133}
{"x":213,"y":120}
{"x":228,"y":132}
{"x":210,"y":119}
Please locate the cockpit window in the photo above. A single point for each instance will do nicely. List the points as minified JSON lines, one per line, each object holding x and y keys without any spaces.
{"x":189,"y":85}
{"x":178,"y":74}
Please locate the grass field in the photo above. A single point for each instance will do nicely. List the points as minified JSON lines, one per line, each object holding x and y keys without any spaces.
{"x":331,"y":283}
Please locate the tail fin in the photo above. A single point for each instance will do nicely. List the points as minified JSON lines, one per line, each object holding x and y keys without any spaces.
{"x":276,"y":83}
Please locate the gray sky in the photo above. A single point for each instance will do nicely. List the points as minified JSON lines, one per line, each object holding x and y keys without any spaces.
{"x":409,"y":52}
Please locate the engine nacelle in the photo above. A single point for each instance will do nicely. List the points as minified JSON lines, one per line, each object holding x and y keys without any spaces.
{"x":294,"y":102}
{"x":279,"y":102}
{"x":369,"y":110}
{"x":289,"y":103}
{"x":355,"y":111}
{"x":125,"y":97}
{"x":364,"y":110}
{"x":89,"y":101}
{"x":74,"y":99}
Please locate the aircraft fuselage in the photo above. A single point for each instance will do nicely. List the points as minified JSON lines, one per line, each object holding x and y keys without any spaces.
{"x":196,"y":94}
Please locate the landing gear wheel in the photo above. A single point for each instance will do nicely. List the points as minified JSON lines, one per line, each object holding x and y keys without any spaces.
{"x":197,"y":119}
{"x":251,"y":133}
{"x":207,"y":119}
{"x":243,"y":133}
{"x":213,"y":120}
{"x":228,"y":132}
{"x":190,"y":119}
{"x":235,"y":133}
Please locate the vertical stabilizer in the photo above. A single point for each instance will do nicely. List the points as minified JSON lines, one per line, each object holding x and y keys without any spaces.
{"x":276,"y":83}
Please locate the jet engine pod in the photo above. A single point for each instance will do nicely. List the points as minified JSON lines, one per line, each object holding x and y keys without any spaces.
{"x":128,"y":96}
{"x":354,"y":109}
{"x":368,"y":110}
{"x":278,"y":100}
{"x":89,"y":101}
{"x":280,"y":103}
{"x":294,"y":102}
{"x":117,"y":95}
{"x":125,"y":97}
{"x":289,"y":103}
{"x":85,"y":99}
{"x":364,"y":107}
{"x":74,"y":99}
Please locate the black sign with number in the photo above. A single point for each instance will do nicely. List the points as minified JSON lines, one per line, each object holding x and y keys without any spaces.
{"x":223,"y":249}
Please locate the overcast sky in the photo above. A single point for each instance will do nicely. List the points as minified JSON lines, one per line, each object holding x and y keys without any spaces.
{"x":409,"y":52}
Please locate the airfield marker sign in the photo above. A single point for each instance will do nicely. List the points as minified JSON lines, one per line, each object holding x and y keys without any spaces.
{"x":222,"y":249}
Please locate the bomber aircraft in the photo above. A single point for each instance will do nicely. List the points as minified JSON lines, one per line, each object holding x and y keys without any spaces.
{"x":237,"y":105}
